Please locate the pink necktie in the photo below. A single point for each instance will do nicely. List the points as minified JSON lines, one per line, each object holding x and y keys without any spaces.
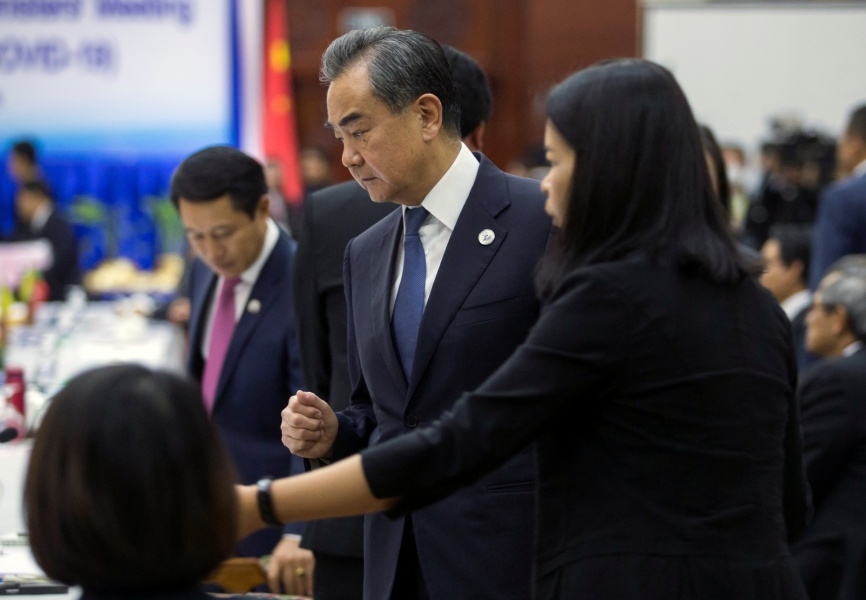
{"x":220,"y":336}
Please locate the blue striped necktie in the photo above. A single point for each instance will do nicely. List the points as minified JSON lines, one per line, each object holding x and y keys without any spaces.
{"x":409,"y":304}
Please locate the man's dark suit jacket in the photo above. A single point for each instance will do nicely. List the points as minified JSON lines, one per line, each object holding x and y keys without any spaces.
{"x":260,"y":373}
{"x":832,"y":552}
{"x":805,"y":359}
{"x":65,"y":270}
{"x":669,"y":454}
{"x":332,"y":217}
{"x":477,"y":543}
{"x":840,"y":227}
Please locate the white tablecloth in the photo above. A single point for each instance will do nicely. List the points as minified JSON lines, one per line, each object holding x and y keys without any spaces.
{"x":66,"y":340}
{"x":16,"y":559}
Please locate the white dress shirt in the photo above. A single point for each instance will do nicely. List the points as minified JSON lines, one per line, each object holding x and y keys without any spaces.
{"x":244,"y":287}
{"x":793,"y":304}
{"x":444,"y":203}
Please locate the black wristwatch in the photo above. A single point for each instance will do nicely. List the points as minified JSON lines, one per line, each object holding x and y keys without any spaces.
{"x":266,"y":504}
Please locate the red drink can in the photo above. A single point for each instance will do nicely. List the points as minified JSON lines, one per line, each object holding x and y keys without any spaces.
{"x":16,"y":387}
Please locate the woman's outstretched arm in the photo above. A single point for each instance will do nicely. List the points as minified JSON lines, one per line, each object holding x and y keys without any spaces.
{"x":339,"y":490}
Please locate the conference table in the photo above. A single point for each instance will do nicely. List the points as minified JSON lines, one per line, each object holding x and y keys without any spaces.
{"x":64,"y":340}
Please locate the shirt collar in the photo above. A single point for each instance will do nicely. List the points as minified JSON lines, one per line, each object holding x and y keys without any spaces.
{"x":446,"y":199}
{"x":40,"y":217}
{"x":852,"y":348}
{"x":793,"y":304}
{"x":272,"y":234}
{"x":859,"y":170}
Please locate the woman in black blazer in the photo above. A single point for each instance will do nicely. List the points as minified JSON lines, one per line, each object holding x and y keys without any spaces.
{"x":658,"y":382}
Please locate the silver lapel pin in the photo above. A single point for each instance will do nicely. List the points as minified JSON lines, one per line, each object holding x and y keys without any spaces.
{"x":254,"y":306}
{"x":486,"y":237}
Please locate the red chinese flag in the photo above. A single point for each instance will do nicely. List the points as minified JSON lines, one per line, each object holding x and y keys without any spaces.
{"x":279,"y":133}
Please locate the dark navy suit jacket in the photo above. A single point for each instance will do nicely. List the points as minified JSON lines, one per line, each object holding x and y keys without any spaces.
{"x":840,"y":227}
{"x":332,"y":217}
{"x":478,"y":542}
{"x":832,"y":552}
{"x":261,"y":371}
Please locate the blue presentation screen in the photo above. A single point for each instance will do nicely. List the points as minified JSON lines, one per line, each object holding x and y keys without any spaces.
{"x":119,"y":77}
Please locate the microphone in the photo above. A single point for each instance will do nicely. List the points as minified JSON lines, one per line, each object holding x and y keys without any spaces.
{"x":8,"y":434}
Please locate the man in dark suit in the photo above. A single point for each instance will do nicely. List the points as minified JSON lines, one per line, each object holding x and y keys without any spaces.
{"x":786,"y":255}
{"x":242,"y":332}
{"x":334,"y":216}
{"x":840,"y":228}
{"x":436,"y":303}
{"x":38,"y":218}
{"x":831,"y":552}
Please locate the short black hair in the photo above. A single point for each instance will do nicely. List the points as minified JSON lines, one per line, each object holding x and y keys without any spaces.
{"x":216,"y":171}
{"x":795,"y":243}
{"x":402,"y":65}
{"x":642,"y":183}
{"x":476,"y":99}
{"x":25,"y":150}
{"x":129,"y":487}
{"x":857,"y":123}
{"x":37,"y":186}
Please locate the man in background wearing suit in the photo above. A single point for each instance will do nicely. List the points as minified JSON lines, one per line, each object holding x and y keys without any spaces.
{"x":38,"y":218}
{"x":831,"y":552}
{"x":439,"y":294}
{"x":242,"y":338}
{"x":332,"y":217}
{"x":786,"y":255}
{"x":840,"y":228}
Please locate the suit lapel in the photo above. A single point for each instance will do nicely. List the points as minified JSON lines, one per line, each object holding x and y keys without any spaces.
{"x":266,"y":290}
{"x":205,"y":283}
{"x":382,"y":276}
{"x":465,"y":260}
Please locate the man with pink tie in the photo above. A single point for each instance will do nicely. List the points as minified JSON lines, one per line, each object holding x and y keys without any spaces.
{"x":242,"y":342}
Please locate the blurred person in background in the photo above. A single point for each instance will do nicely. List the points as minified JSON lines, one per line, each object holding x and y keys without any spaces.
{"x":787,"y":255}
{"x":22,"y":163}
{"x":39,"y":218}
{"x":129,"y":490}
{"x":832,"y":551}
{"x":797,"y":164}
{"x":840,"y":228}
{"x":278,"y":208}
{"x":719,"y":181}
{"x":316,"y":170}
{"x":741,"y":179}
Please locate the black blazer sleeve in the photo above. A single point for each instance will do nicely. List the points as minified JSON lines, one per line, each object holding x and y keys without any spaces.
{"x":545,"y":377}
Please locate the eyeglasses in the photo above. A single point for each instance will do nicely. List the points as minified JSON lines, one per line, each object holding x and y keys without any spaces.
{"x":826,"y":308}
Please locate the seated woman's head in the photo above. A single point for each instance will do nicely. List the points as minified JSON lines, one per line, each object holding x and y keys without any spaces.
{"x":129,"y":486}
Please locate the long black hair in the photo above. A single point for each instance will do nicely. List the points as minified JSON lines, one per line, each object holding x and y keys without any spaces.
{"x":640,"y":181}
